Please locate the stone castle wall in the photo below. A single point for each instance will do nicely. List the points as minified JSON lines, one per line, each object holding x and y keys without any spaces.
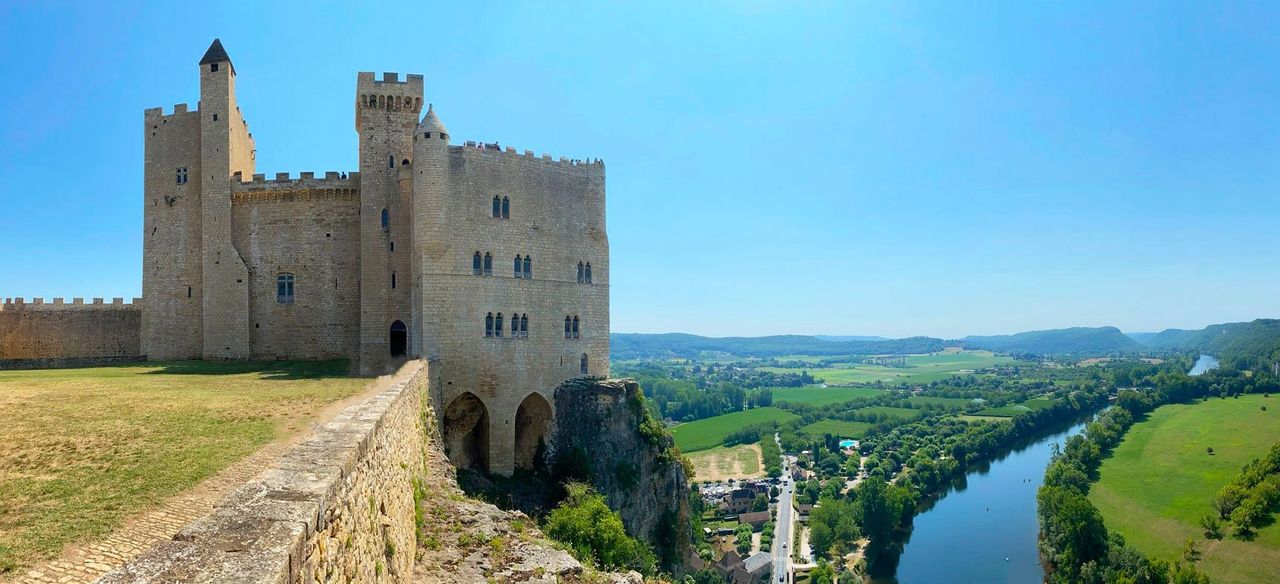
{"x":338,"y":508}
{"x":58,"y":333}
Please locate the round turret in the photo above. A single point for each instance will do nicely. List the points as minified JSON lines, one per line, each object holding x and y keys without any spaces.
{"x":431,"y":128}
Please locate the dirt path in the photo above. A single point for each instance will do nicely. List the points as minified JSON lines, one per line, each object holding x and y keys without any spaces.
{"x":86,"y":562}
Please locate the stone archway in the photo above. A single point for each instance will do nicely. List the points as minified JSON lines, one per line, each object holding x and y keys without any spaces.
{"x":533,"y":429}
{"x":466,"y":432}
{"x":399,"y":340}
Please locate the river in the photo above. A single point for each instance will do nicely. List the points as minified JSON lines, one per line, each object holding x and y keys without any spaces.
{"x":984,"y":529}
{"x":1204,"y":363}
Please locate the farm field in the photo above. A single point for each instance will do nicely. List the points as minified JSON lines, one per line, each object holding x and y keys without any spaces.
{"x":1036,"y":403}
{"x":1160,"y":480}
{"x":726,"y":462}
{"x":84,"y":449}
{"x":839,"y":428}
{"x":945,"y":402}
{"x":916,"y":368}
{"x":711,"y":432}
{"x":821,"y":396}
{"x":892,"y":413}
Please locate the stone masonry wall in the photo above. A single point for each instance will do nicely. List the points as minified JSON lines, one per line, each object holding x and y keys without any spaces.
{"x":338,"y":508}
{"x":41,"y":334}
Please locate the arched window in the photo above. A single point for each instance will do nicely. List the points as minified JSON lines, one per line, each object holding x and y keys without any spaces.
{"x":575,"y":327}
{"x":393,"y":280}
{"x":497,"y":325}
{"x":515,"y":325}
{"x":584,"y":364}
{"x":524,"y":325}
{"x":518,"y":267}
{"x":391,"y":162}
{"x":581,"y":277}
{"x":386,"y":220}
{"x":476,"y":268}
{"x":506,"y":208}
{"x":497,"y":206}
{"x":488,"y":264}
{"x":568,"y":328}
{"x":528,"y":267}
{"x":284,"y":288}
{"x":488,"y":325}
{"x":588,"y":272}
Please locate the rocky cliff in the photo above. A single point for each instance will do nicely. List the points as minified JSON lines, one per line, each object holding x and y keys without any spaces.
{"x":604,"y":435}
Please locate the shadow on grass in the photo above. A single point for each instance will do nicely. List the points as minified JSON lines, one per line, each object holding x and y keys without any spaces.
{"x":276,"y":370}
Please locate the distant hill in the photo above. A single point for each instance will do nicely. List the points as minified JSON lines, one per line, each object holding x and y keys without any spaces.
{"x":841,"y":338}
{"x":634,"y":345}
{"x":1069,"y":341}
{"x":1141,"y":337}
{"x":1244,"y":344}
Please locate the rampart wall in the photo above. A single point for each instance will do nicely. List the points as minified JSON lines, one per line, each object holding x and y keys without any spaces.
{"x":338,"y":508}
{"x":37,"y":333}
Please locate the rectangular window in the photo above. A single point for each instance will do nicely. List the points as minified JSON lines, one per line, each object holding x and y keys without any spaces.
{"x":284,"y":288}
{"x":182,"y":175}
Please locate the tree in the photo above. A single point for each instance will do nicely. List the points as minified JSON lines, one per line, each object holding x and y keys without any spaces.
{"x":1212,"y":526}
{"x":761,"y":503}
{"x":594,"y":533}
{"x":833,"y":526}
{"x":742,"y":538}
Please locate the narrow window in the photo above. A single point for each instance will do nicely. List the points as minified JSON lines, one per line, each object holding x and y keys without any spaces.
{"x":497,"y":325}
{"x":584,"y":364}
{"x":515,"y":325}
{"x":488,"y":264}
{"x":506,"y":208}
{"x":524,"y":325}
{"x":215,"y":117}
{"x":391,"y":162}
{"x":391,"y":246}
{"x":182,"y":176}
{"x":284,"y":288}
{"x":393,"y":280}
{"x":575,"y":327}
{"x":581,"y":277}
{"x":519,"y":267}
{"x":188,"y":291}
{"x":528,"y":267}
{"x":213,"y":68}
{"x":497,"y":207}
{"x":488,"y":325}
{"x":475,"y":265}
{"x":588,"y":276}
{"x":386,"y":220}
{"x":568,"y":330}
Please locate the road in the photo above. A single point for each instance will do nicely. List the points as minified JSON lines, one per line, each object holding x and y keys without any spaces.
{"x":782,"y":529}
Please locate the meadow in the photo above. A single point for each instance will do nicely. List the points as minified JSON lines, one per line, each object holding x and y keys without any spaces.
{"x":840,"y":428}
{"x":957,"y":403}
{"x":892,"y":413}
{"x":821,"y":396}
{"x":914,"y":369}
{"x":726,"y":462}
{"x":86,"y":448}
{"x":711,"y":432}
{"x":1160,"y":480}
{"x":1035,"y":403}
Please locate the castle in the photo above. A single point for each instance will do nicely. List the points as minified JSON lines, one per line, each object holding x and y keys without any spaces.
{"x":490,"y":264}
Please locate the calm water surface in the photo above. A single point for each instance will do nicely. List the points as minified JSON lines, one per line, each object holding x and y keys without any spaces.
{"x":1204,"y":363}
{"x":985,"y":529}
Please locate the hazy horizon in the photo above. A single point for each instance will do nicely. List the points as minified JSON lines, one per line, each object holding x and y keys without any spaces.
{"x":900,"y":169}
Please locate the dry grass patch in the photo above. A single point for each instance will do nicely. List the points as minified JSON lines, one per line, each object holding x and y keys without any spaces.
{"x":83,"y":449}
{"x":727,"y":462}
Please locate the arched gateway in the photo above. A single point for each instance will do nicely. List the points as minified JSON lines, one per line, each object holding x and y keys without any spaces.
{"x":533,"y":427}
{"x":466,"y":432}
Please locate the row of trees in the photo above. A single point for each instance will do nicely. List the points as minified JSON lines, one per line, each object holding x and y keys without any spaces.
{"x":1248,"y":500}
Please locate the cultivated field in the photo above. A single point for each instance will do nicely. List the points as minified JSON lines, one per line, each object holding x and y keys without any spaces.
{"x":891,"y":413}
{"x":914,"y":369}
{"x":1035,"y":403}
{"x":957,"y":403}
{"x":1160,"y":480}
{"x":85,"y":448}
{"x":727,"y":462}
{"x":839,"y":428}
{"x":711,"y":432}
{"x":821,"y":396}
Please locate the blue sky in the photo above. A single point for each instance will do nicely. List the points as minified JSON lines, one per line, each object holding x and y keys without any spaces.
{"x":888,"y":168}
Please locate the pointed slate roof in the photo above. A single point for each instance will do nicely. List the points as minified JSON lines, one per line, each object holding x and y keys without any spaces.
{"x":216,"y":54}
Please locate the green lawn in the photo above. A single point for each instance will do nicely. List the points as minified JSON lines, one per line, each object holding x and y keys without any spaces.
{"x":1035,"y":403}
{"x":839,"y":428}
{"x":711,"y":432}
{"x":901,"y":414}
{"x":85,"y":448}
{"x":1160,"y":480}
{"x":820,"y":396}
{"x":917,"y":369}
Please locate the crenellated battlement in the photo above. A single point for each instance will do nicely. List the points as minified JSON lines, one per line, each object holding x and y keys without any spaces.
{"x":333,"y":185}
{"x":388,"y":93}
{"x":75,"y":304}
{"x":471,"y":147}
{"x":157,"y":113}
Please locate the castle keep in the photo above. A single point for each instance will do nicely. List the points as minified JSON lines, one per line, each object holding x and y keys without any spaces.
{"x":490,"y":264}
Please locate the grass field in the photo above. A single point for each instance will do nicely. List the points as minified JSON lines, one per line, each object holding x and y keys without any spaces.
{"x":821,"y":396}
{"x":886,"y":412}
{"x":711,"y":432}
{"x":1035,"y":403}
{"x":726,"y":462}
{"x":1160,"y":480}
{"x":918,"y":369}
{"x":85,"y":448}
{"x":839,"y":428}
{"x":958,"y":403}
